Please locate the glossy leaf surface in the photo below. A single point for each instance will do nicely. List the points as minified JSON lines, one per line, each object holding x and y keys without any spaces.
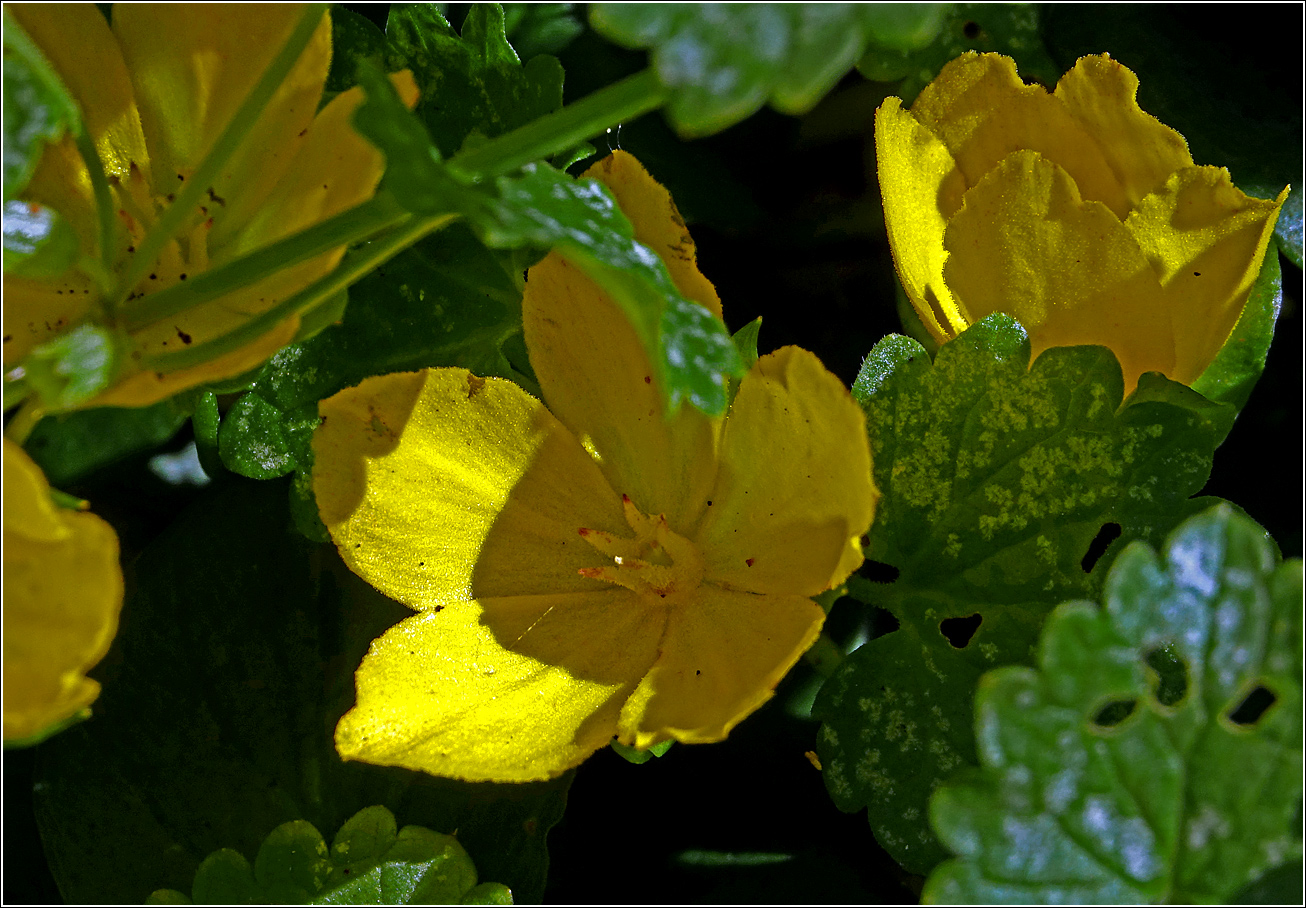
{"x":1178,"y":800}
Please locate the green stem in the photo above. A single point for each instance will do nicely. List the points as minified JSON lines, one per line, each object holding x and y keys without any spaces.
{"x":355,"y":265}
{"x":228,"y":143}
{"x":353,"y":226}
{"x":24,"y":421}
{"x":564,"y":128}
{"x":104,"y":209}
{"x":15,"y":392}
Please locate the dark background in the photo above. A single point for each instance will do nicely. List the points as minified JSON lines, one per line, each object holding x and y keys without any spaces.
{"x":788,"y":227}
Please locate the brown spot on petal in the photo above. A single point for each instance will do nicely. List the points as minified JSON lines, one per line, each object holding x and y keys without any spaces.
{"x":474,"y":385}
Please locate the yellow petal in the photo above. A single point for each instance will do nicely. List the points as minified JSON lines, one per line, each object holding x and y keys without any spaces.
{"x":794,"y":493}
{"x":76,"y":39}
{"x":1026,"y":244}
{"x":1141,"y":150}
{"x":334,"y":170}
{"x":192,"y":65}
{"x":440,"y":487}
{"x":1205,"y":240}
{"x":35,"y":311}
{"x":921,"y":187}
{"x":522,"y":689}
{"x":597,"y":378}
{"x":657,"y":222}
{"x":982,"y":112}
{"x":140,"y":389}
{"x":721,"y":659}
{"x":63,"y":591}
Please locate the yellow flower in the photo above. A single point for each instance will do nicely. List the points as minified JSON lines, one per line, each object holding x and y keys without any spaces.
{"x":1075,"y":212}
{"x":155,"y":93}
{"x":592,"y":569}
{"x":62,"y":593}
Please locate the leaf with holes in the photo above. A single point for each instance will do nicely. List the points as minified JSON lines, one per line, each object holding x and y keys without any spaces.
{"x":1093,"y":787}
{"x":1002,"y":485}
{"x":722,"y":62}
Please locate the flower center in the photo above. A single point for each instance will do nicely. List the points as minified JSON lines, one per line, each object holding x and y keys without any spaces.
{"x":655,"y":562}
{"x":138,"y":210}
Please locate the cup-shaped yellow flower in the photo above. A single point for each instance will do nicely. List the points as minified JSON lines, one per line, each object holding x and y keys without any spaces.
{"x":1074,"y":211}
{"x":594,"y":569}
{"x":62,"y":594}
{"x":156,"y":91}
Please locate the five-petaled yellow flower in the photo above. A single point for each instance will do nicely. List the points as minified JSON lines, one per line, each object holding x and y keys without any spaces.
{"x":1075,"y":212}
{"x":62,"y":594}
{"x":593,"y":569}
{"x":156,"y":90}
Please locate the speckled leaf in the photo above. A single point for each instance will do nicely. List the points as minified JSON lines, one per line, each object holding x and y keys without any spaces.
{"x":997,"y":478}
{"x":547,"y":208}
{"x":469,"y":84}
{"x":213,"y":730}
{"x":1004,"y":28}
{"x":353,"y":39}
{"x":724,"y":61}
{"x":1178,"y":803}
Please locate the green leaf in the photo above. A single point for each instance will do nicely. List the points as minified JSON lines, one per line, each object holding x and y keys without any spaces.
{"x":1282,"y":885}
{"x":214,"y":729}
{"x":412,"y":172}
{"x":74,"y":367}
{"x":1012,"y":29}
{"x":370,"y":863}
{"x":636,"y":755}
{"x":1179,"y":803}
{"x":541,"y":28}
{"x":253,"y":439}
{"x":353,"y":39}
{"x":38,"y":242}
{"x":689,"y":348}
{"x":997,"y":479}
{"x":488,"y":894}
{"x":1232,"y":375}
{"x":292,"y":863}
{"x":469,"y":84}
{"x":69,"y":447}
{"x":722,"y":62}
{"x":37,"y":108}
{"x":1289,"y":228}
{"x":225,"y":878}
